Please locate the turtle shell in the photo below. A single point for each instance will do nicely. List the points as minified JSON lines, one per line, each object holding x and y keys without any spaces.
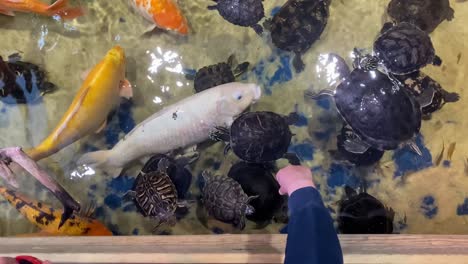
{"x":380,"y":113}
{"x":257,"y":179}
{"x":22,"y":82}
{"x":371,"y":156}
{"x":213,"y":75}
{"x":180,"y":176}
{"x":364,"y":214}
{"x":404,"y":48}
{"x":260,"y":136}
{"x":155,"y":195}
{"x":225,"y":200}
{"x":425,"y":14}
{"x":298,"y":24}
{"x":244,"y":13}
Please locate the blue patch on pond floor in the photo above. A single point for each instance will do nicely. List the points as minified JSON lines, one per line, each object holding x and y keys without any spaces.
{"x":323,"y":103}
{"x":324,"y":135}
{"x":429,"y":206}
{"x":122,"y":121}
{"x":135,"y":231}
{"x":302,"y":120}
{"x":275,"y":10}
{"x":305,"y":151}
{"x":407,"y":160}
{"x":341,"y":175}
{"x":462,"y":209}
{"x":121,"y":184}
{"x":446,"y":163}
{"x":282,"y":74}
{"x":113,"y":201}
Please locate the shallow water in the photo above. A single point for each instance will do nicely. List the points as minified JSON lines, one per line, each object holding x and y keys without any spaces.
{"x":425,"y":197}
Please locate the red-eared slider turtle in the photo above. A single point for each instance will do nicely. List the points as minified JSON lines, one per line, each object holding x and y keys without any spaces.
{"x":369,"y":157}
{"x":225,"y":200}
{"x":22,"y":82}
{"x":257,"y":179}
{"x":297,"y":25}
{"x":363,"y":214}
{"x":155,"y":195}
{"x":217,"y":74}
{"x":381,"y":113}
{"x":259,"y":137}
{"x":428,"y":92}
{"x":404,"y":48}
{"x":177,"y":170}
{"x":244,"y":13}
{"x":426,"y":14}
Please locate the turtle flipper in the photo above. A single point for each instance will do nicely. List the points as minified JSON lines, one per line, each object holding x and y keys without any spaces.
{"x":355,"y":145}
{"x":298,"y":63}
{"x":220,"y":134}
{"x":230,"y":60}
{"x":258,"y":29}
{"x":241,"y":69}
{"x":316,"y":96}
{"x":450,"y":97}
{"x":414,"y":147}
{"x":267,"y":24}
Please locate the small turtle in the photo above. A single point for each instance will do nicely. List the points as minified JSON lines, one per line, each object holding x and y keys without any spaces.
{"x":403,"y":48}
{"x":155,"y":195}
{"x":257,"y":179}
{"x":426,"y":14}
{"x":297,"y":25}
{"x":428,"y":92}
{"x":178,"y":171}
{"x":381,"y":113}
{"x":369,"y":157}
{"x":225,"y":200}
{"x":363,"y":214}
{"x":22,"y":82}
{"x":217,"y":74}
{"x":259,"y":137}
{"x":244,"y":13}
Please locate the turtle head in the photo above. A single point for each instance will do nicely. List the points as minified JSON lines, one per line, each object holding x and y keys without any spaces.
{"x":365,"y":62}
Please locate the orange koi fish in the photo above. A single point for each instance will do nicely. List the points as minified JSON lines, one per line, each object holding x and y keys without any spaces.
{"x":7,"y":7}
{"x":48,"y":218}
{"x":165,"y":14}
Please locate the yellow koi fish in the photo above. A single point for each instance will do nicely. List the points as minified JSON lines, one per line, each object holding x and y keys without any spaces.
{"x":97,"y":97}
{"x":48,"y":219}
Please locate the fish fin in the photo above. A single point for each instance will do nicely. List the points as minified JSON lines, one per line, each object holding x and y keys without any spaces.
{"x":126,"y":90}
{"x":60,"y":8}
{"x":101,"y":128}
{"x":6,"y":12}
{"x":100,"y":159}
{"x":72,"y":114}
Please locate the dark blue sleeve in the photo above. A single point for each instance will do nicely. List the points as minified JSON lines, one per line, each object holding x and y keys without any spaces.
{"x":312,"y":239}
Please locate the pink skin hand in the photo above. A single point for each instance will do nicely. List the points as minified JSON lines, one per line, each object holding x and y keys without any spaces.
{"x":292,"y":178}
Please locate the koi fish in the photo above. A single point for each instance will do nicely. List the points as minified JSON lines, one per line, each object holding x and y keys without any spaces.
{"x":97,"y":97}
{"x":165,"y":14}
{"x":48,"y":218}
{"x":178,"y":126}
{"x":8,"y":7}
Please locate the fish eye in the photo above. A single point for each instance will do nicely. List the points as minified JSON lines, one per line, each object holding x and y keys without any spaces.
{"x":238,"y":96}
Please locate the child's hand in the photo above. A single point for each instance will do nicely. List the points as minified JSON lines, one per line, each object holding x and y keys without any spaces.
{"x":292,"y":178}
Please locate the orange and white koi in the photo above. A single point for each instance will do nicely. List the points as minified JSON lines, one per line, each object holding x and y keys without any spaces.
{"x":98,"y":96}
{"x":60,"y":8}
{"x":48,"y":218}
{"x":165,"y":14}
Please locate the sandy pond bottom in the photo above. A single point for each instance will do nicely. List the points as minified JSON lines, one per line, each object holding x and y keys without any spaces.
{"x":426,"y":198}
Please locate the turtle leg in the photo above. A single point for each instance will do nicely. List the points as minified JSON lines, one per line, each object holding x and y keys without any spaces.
{"x":258,"y":29}
{"x":316,"y":96}
{"x":227,"y":148}
{"x":230,"y":60}
{"x":220,"y":134}
{"x":293,"y":117}
{"x":355,"y":145}
{"x":241,"y":69}
{"x":267,"y":24}
{"x":414,"y":147}
{"x":292,"y":158}
{"x":298,"y":63}
{"x":449,"y":97}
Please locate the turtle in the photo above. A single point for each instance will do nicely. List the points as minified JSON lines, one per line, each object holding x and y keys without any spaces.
{"x":155,"y":195}
{"x":297,"y":26}
{"x":257,"y":179}
{"x":244,"y":13}
{"x":177,"y":170}
{"x":401,"y":48}
{"x":225,"y":200}
{"x":363,"y":214}
{"x":429,"y":93}
{"x":259,"y":137}
{"x":22,"y":82}
{"x":425,"y":14}
{"x":380,"y":112}
{"x":217,"y":74}
{"x":369,"y":157}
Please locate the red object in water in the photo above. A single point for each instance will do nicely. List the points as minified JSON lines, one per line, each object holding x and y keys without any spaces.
{"x":29,"y":260}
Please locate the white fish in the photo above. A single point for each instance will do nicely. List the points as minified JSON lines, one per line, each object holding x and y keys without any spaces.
{"x":181,"y":125}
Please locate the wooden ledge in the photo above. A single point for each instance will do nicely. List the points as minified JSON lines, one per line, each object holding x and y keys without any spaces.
{"x":452,"y":249}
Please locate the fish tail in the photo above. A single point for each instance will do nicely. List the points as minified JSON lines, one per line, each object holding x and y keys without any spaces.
{"x":100,"y":159}
{"x":60,"y":8}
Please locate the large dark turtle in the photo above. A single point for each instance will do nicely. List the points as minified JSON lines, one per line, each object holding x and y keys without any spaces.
{"x":363,"y":214}
{"x":22,"y":82}
{"x":257,"y":179}
{"x":404,"y":48}
{"x":426,"y":14}
{"x":155,"y":195}
{"x":217,"y":74}
{"x":245,"y":13}
{"x":429,"y":93}
{"x":259,"y":137}
{"x":367,"y":158}
{"x":381,"y":113}
{"x":225,"y":200}
{"x":297,"y":25}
